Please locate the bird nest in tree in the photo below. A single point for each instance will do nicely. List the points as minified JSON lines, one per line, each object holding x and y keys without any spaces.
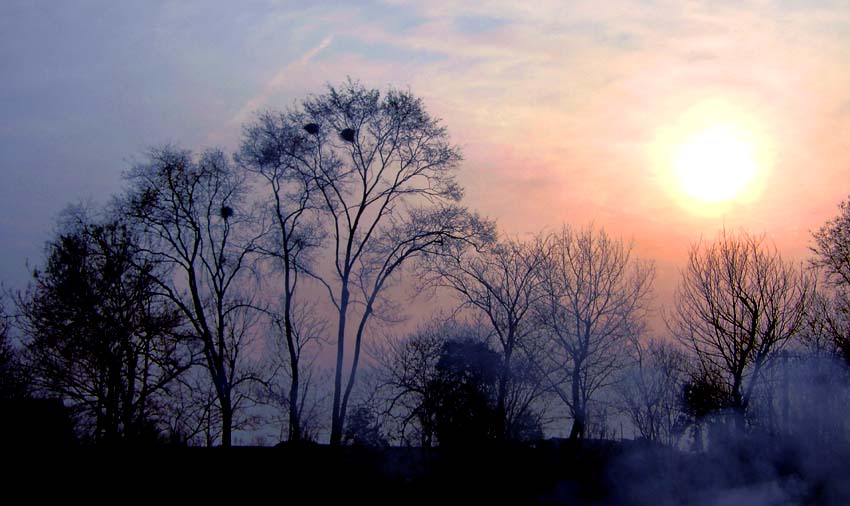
{"x":347,"y":134}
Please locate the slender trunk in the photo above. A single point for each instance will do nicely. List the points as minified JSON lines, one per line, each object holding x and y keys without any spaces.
{"x":336,"y":415}
{"x":579,"y":409}
{"x":131,"y":418}
{"x":501,"y":400}
{"x":738,"y":410}
{"x":738,"y":406}
{"x":697,"y":442}
{"x":289,"y":291}
{"x":356,"y":360}
{"x":294,"y":415}
{"x":113,"y":401}
{"x":225,"y":404}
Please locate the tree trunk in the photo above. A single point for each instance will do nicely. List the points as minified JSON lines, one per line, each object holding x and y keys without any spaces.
{"x":226,"y":425}
{"x":289,"y":290}
{"x":739,"y":407}
{"x":579,"y":421}
{"x":224,"y":401}
{"x":501,"y":401}
{"x":294,"y":415}
{"x":336,"y":415}
{"x":352,"y":375}
{"x":579,"y":408}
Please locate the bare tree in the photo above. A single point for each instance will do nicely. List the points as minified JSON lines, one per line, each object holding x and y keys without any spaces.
{"x":14,"y":381}
{"x":193,"y":418}
{"x":196,"y":225}
{"x":738,"y":304}
{"x":273,"y":147}
{"x":382,"y":171}
{"x":407,"y":369}
{"x":499,"y":283}
{"x":295,"y":349}
{"x":829,"y":315}
{"x":652,"y":388}
{"x":832,"y":247}
{"x":594,"y":300}
{"x":827,"y":327}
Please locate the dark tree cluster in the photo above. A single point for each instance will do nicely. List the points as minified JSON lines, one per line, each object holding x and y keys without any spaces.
{"x":100,"y":338}
{"x":462,"y":393}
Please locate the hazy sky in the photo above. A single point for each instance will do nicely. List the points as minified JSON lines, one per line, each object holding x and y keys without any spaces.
{"x":562,"y":109}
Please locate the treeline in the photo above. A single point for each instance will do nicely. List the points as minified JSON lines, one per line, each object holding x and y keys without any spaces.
{"x":209,"y":294}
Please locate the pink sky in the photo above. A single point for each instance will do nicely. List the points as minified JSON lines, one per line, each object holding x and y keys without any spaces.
{"x":555,"y":104}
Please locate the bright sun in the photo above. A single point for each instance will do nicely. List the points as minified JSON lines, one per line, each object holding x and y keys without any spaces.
{"x":712,"y":157}
{"x":715,"y":164}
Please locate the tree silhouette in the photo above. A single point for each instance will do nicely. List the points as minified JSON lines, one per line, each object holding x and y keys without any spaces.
{"x":382,"y":176}
{"x":407,"y":367}
{"x":737,"y":305}
{"x":196,"y":227}
{"x":97,"y":334}
{"x":272,"y":148}
{"x":651,"y":390}
{"x":499,"y":283}
{"x":14,"y":380}
{"x":593,"y":303}
{"x":830,"y":313}
{"x":462,"y":395}
{"x":363,"y":429}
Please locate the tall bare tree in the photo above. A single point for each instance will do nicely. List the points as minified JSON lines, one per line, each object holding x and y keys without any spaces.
{"x":197,"y":226}
{"x":383,"y":174}
{"x":738,"y":304}
{"x":594,"y":300}
{"x":273,"y":147}
{"x":500,"y":284}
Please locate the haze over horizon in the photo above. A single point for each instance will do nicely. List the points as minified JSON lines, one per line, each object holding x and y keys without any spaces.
{"x":564,"y":114}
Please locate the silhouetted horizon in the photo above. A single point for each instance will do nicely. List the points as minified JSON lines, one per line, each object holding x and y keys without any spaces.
{"x":558,"y":254}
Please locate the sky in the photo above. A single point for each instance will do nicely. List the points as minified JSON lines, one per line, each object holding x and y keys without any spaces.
{"x":566,"y":112}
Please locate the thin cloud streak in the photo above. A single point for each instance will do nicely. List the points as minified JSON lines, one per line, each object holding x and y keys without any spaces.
{"x":277,"y":82}
{"x":562,"y":100}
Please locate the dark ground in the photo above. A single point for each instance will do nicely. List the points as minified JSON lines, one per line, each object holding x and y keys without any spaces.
{"x":591,"y":472}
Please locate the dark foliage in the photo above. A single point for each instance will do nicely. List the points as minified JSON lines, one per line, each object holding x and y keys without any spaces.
{"x":37,"y":423}
{"x":704,"y":395}
{"x":96,"y":335}
{"x":462,"y":396}
{"x":363,"y":429}
{"x":14,"y":383}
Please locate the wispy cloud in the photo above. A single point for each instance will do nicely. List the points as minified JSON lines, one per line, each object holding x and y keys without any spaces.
{"x":554,"y":103}
{"x":286,"y":74}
